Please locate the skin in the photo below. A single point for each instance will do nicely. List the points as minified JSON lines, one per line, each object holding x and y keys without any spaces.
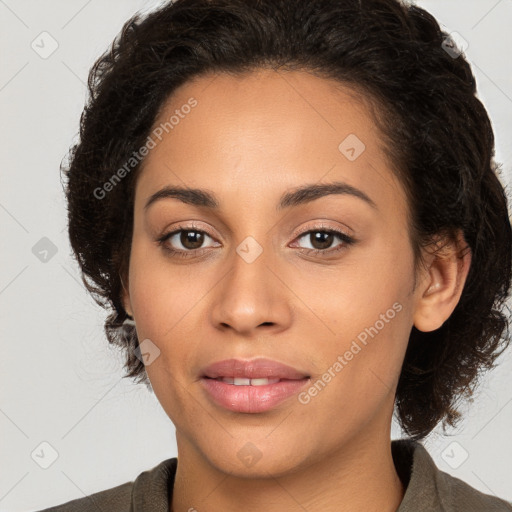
{"x":249,"y":140}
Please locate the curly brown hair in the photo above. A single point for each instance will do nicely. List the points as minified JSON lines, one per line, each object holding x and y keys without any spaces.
{"x":437,"y":133}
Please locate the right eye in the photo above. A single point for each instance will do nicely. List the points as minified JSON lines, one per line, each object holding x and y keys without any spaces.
{"x":190,"y":238}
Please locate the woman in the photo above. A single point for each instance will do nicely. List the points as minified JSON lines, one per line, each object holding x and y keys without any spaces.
{"x":293,"y":211}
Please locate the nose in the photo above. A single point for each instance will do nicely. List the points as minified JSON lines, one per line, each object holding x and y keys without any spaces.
{"x":251,"y":298}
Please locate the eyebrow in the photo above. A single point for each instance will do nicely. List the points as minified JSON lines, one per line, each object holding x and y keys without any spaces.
{"x":301,"y":195}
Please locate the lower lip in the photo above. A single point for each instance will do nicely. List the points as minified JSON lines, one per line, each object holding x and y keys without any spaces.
{"x":251,"y":398}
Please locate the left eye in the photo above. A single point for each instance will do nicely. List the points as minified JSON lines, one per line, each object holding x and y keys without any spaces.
{"x":321,"y":240}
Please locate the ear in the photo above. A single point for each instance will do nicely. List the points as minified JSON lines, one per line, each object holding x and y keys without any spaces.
{"x":125,"y":296}
{"x":443,"y":280}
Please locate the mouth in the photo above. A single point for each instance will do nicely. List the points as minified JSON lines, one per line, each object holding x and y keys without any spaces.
{"x":252,"y":370}
{"x":241,"y":381}
{"x":253,"y":386}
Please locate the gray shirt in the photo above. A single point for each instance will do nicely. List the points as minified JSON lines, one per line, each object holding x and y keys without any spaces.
{"x":427,"y":489}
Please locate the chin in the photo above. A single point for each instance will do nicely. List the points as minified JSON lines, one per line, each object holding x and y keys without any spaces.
{"x":256,"y":460}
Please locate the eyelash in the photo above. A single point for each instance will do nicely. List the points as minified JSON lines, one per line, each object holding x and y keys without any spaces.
{"x":344,"y":238}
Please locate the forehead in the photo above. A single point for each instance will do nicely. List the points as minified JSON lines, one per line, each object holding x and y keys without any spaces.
{"x":266,"y":131}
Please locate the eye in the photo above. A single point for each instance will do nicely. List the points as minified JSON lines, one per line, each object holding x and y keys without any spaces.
{"x":184,"y":241}
{"x":321,"y":240}
{"x":188,"y":241}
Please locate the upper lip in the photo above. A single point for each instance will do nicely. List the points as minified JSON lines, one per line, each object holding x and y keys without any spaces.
{"x":260,"y":368}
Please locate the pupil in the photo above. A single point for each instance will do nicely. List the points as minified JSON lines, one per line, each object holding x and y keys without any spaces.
{"x":191,"y":237}
{"x":323,"y":238}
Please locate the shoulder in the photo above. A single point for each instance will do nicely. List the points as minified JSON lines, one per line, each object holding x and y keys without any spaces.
{"x":429,"y":488}
{"x":151,"y":487}
{"x":115,"y":499}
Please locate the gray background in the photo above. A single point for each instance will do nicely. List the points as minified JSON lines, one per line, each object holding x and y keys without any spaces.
{"x":60,"y":382}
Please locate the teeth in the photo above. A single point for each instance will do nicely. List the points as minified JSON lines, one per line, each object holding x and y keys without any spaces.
{"x":263,"y":382}
{"x":240,"y":381}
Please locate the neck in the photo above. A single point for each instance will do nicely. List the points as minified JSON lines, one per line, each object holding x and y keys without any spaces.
{"x":360,"y":475}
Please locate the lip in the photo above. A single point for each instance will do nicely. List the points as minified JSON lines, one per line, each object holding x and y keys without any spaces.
{"x":248,"y":398}
{"x":260,"y":368}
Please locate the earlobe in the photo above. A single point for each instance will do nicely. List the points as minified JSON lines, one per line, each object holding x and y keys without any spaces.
{"x":442,"y":285}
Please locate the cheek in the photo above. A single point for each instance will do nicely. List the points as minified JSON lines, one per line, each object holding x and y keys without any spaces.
{"x":160,"y":302}
{"x":351,"y":296}
{"x":161,"y":294}
{"x":380,"y":302}
{"x":166,"y":300}
{"x":367,"y":306}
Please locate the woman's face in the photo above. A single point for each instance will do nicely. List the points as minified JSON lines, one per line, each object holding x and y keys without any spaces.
{"x":320,"y":281}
